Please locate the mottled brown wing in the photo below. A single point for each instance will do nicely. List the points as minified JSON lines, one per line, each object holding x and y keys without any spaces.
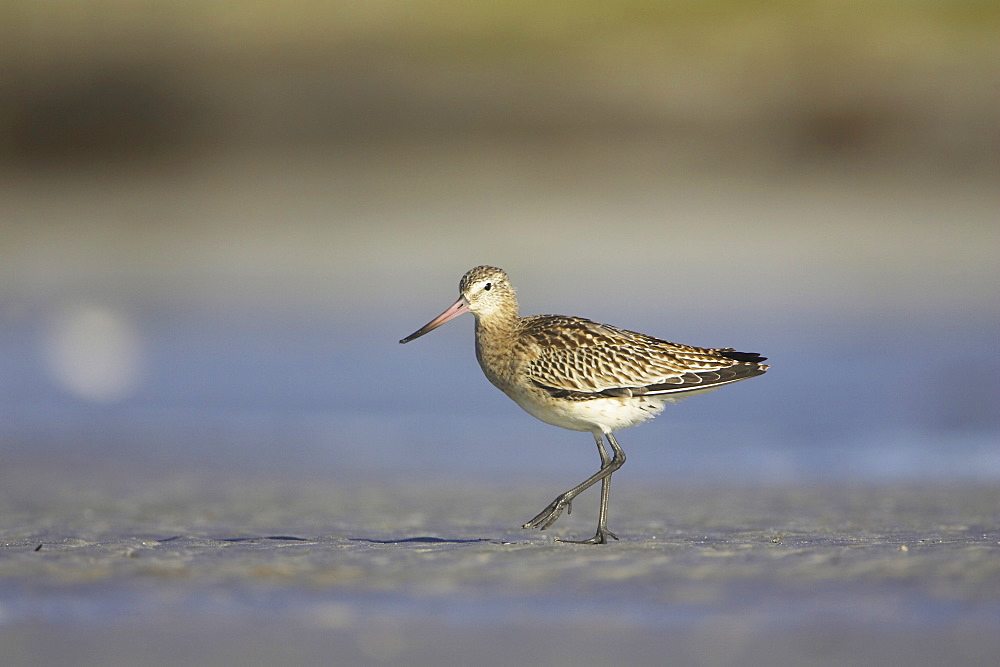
{"x":578,"y":358}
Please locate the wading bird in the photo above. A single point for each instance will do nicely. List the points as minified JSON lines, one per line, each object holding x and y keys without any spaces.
{"x":583,"y":375}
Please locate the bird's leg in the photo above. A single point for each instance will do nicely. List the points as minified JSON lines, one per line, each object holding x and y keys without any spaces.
{"x":609,"y":464}
{"x":602,"y":521}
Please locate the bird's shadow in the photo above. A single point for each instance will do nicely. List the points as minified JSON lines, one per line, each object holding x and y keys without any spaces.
{"x":421,"y":540}
{"x":424,"y":539}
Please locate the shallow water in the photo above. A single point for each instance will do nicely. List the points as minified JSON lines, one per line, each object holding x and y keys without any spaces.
{"x":878,"y":406}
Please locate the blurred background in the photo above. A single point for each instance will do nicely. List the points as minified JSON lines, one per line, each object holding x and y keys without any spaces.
{"x":217,"y":219}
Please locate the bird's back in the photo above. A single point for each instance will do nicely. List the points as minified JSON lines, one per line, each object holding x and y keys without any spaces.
{"x":579,"y":359}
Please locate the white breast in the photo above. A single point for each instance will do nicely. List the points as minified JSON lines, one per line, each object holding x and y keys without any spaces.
{"x":600,"y":414}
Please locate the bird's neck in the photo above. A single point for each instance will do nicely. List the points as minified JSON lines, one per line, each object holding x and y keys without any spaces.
{"x":501,"y":322}
{"x":496,"y":335}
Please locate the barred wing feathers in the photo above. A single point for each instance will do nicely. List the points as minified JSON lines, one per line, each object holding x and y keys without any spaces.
{"x":579,"y":359}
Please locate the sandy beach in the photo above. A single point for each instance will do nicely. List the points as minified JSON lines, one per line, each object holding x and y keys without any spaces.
{"x":101,"y":568}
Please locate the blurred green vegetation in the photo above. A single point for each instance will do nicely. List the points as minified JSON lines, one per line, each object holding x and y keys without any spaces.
{"x":126,"y":76}
{"x":490,"y":29}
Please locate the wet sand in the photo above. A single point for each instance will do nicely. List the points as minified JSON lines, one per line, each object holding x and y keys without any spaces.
{"x":104,"y":565}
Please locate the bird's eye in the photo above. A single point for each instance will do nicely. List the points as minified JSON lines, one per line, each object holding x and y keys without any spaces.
{"x":488,"y":286}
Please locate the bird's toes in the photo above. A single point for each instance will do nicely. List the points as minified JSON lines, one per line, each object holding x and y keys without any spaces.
{"x":600,"y":538}
{"x":548,"y":516}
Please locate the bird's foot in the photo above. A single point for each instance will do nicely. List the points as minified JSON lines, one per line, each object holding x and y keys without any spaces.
{"x":600,"y":538}
{"x":548,"y":516}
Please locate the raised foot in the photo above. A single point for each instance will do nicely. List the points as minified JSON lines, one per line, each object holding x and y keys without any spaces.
{"x":548,"y":516}
{"x":600,"y":538}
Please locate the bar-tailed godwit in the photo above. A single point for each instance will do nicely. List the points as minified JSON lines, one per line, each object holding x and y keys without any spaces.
{"x":583,"y":375}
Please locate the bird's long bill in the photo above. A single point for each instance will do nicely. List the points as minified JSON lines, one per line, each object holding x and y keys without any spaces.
{"x":456,"y":309}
